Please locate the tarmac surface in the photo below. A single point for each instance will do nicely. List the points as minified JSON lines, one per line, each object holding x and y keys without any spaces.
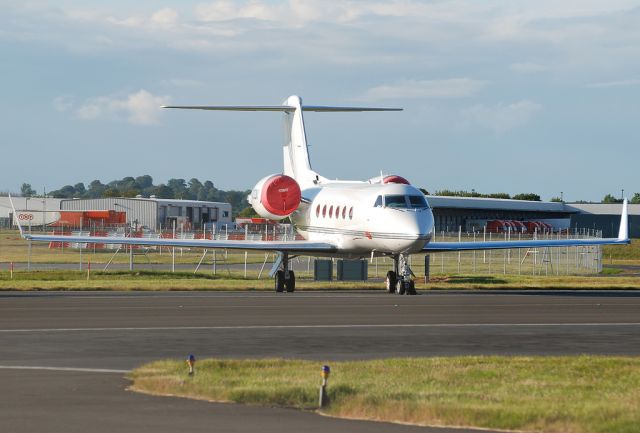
{"x":63,"y":356}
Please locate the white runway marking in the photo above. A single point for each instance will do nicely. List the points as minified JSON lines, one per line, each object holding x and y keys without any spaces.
{"x":76,"y":369}
{"x":364,"y":326}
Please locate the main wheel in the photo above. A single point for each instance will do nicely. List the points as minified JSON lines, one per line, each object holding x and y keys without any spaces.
{"x":400,"y":287}
{"x":290,"y":284}
{"x":279,"y":281}
{"x":391,"y":281}
{"x":411,"y":290}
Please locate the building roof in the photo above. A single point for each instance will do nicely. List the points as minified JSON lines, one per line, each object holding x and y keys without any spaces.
{"x":438,"y":202}
{"x":603,"y":208}
{"x":30,"y":203}
{"x":160,"y":201}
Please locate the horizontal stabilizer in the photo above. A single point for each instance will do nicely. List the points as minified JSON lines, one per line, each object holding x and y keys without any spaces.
{"x":233,"y":107}
{"x":320,"y":108}
{"x":282,"y":108}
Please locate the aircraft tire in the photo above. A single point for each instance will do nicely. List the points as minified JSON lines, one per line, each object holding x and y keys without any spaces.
{"x":411,"y":289}
{"x":400,"y":287}
{"x":391,"y":281}
{"x":290,"y":284}
{"x":279,"y":281}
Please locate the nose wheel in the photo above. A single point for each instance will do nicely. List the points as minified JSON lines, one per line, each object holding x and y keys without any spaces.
{"x":399,"y":280}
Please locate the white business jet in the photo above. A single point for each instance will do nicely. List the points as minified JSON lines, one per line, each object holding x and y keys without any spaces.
{"x":383,"y":216}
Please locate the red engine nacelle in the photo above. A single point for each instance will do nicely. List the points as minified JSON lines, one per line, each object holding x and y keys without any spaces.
{"x":276,"y":196}
{"x":394,"y":178}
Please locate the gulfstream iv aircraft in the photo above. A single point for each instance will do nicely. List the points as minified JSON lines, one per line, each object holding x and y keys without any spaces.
{"x":382,"y":216}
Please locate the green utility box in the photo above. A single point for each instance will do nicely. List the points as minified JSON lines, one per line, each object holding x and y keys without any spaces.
{"x":353,"y":270}
{"x":322,"y":270}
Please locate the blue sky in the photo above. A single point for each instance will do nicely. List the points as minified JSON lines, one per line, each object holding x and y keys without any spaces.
{"x":499,"y":96}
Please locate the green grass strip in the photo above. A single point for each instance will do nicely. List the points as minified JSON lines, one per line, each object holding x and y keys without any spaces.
{"x":166,"y":281}
{"x":574,"y":394}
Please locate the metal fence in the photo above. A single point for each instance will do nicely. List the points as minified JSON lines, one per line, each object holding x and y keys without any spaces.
{"x":516,"y":261}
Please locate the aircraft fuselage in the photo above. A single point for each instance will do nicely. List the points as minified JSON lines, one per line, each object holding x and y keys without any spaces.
{"x":361,"y":217}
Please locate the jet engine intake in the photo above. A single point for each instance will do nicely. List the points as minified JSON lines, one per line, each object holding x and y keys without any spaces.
{"x":275,"y":197}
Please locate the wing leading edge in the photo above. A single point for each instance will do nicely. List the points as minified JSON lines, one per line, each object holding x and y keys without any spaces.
{"x":623,"y":238}
{"x":295,"y":247}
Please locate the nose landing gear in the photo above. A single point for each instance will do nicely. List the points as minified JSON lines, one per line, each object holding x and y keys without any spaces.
{"x":399,"y":280}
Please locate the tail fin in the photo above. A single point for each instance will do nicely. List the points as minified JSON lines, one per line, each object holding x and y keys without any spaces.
{"x":296,"y":152}
{"x":295,"y":149}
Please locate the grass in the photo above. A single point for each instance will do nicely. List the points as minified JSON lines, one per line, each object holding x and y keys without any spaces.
{"x":165,"y":281}
{"x":622,"y":254}
{"x":578,"y":394}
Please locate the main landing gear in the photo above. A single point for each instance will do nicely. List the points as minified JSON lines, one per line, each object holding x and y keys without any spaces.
{"x":399,"y":280}
{"x":284,"y":279}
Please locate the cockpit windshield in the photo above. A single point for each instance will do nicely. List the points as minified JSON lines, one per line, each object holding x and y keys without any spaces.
{"x":396,"y":201}
{"x":418,"y":202}
{"x":403,"y":202}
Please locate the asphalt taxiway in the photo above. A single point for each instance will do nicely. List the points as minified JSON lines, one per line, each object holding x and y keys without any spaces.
{"x":63,"y":355}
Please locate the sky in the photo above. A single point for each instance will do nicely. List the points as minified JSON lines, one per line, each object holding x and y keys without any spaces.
{"x":498,"y":96}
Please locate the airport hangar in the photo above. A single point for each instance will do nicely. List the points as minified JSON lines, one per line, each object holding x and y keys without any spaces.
{"x":159,"y":214}
{"x":450,"y":213}
{"x":152,"y":213}
{"x":471,"y":213}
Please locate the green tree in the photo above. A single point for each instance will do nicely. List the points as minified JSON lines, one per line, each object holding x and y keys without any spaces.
{"x":529,"y":196}
{"x":248,"y":212}
{"x":80,"y":189}
{"x":556,"y":199}
{"x":195,"y":186}
{"x":26,"y":190}
{"x":179,"y":188}
{"x":162,"y":191}
{"x":144,"y":181}
{"x":112,"y":192}
{"x":610,"y":199}
{"x":635,"y":199}
{"x":95,"y":190}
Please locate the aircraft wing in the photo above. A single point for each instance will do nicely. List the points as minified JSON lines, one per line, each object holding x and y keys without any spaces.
{"x":294,"y":247}
{"x":623,"y":238}
{"x":436,"y":247}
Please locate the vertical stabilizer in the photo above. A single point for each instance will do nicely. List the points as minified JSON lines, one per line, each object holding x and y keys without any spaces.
{"x":295,"y":150}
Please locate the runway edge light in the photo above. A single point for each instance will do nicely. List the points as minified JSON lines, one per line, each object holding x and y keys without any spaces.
{"x":324,"y":398}
{"x":191,"y":362}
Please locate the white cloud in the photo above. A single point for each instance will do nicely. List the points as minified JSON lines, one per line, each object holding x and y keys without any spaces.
{"x":140,"y":108}
{"x":63,"y":103}
{"x":166,"y":16}
{"x":502,"y":118}
{"x":527,"y":67}
{"x":426,"y":89}
{"x":620,"y":83}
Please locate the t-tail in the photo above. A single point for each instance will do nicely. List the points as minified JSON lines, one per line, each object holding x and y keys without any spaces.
{"x":295,"y":148}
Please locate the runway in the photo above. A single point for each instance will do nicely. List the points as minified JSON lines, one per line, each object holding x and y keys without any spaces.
{"x":84,"y":342}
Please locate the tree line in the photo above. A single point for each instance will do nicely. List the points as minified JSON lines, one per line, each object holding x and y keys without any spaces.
{"x":143,"y":186}
{"x":194,"y":189}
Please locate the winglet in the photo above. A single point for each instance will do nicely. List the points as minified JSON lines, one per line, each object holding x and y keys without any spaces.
{"x":15,"y":216}
{"x":623,"y":233}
